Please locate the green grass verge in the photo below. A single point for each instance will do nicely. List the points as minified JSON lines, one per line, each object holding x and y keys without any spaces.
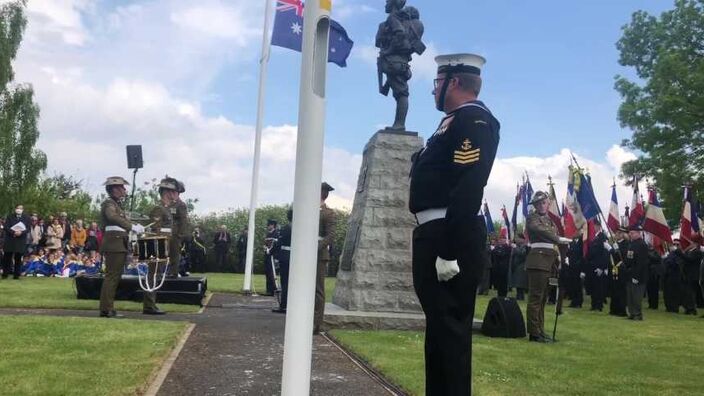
{"x":232,"y":283}
{"x":597,"y":354}
{"x":60,"y":293}
{"x":44,"y":355}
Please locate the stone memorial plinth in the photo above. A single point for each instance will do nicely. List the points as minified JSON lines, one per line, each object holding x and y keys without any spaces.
{"x":375,"y":272}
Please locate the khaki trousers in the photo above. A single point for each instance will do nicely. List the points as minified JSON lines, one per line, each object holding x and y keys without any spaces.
{"x":114,"y":265}
{"x":537,"y":297}
{"x":320,"y":294}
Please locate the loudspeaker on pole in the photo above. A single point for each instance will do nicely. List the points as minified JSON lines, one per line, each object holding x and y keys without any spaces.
{"x":134,"y":157}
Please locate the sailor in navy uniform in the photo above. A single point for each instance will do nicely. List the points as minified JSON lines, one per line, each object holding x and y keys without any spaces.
{"x":448,"y":177}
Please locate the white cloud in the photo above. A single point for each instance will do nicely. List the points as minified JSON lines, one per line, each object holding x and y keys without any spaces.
{"x":58,"y":18}
{"x":218,"y":20}
{"x":344,"y":9}
{"x":507,"y":172}
{"x":617,"y":156}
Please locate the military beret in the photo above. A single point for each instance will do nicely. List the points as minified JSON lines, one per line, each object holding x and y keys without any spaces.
{"x":326,"y":187}
{"x":168,"y":184}
{"x":116,"y":181}
{"x":460,"y":63}
{"x":539,"y":196}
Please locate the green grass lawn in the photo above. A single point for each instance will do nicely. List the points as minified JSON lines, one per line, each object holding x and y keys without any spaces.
{"x":60,"y":293}
{"x":44,"y":355}
{"x":596,"y":354}
{"x":232,"y":283}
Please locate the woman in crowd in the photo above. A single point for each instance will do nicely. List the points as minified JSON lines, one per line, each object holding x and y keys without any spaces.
{"x":36,"y":232}
{"x":54,"y":234}
{"x":93,"y":238}
{"x":78,"y":237}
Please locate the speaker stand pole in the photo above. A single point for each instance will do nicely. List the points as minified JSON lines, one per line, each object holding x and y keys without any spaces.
{"x":134,"y":178}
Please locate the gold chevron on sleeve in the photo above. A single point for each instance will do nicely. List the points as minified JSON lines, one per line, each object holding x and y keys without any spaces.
{"x":465,"y":161}
{"x":467,"y":152}
{"x":466,"y":156}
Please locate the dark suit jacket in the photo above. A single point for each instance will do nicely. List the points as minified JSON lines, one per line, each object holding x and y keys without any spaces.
{"x":222,"y":244}
{"x":16,"y":244}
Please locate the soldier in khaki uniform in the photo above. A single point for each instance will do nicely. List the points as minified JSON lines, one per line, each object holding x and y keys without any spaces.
{"x":326,"y":233}
{"x":115,"y":227}
{"x":179,"y":212}
{"x":161,"y":223}
{"x":542,"y":263}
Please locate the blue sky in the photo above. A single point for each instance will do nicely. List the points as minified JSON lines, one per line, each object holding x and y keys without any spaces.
{"x":180,"y":77}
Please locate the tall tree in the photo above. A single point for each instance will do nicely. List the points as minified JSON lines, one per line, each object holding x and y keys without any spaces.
{"x":664,"y":106}
{"x":20,"y":162}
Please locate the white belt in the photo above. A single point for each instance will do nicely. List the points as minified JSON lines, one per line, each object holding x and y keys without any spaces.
{"x":165,"y":230}
{"x":427,"y":215}
{"x":114,"y":228}
{"x":542,"y":245}
{"x":286,"y":248}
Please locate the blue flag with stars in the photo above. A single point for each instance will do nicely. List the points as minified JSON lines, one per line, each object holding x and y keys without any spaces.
{"x":288,"y":32}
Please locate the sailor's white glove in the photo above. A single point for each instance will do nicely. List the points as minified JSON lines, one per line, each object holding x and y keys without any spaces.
{"x":598,"y":272}
{"x":137,"y":228}
{"x":607,"y":246}
{"x":446,"y":269}
{"x":635,"y":281}
{"x":567,"y":261}
{"x":565,"y":241}
{"x":582,"y":275}
{"x":615,"y":246}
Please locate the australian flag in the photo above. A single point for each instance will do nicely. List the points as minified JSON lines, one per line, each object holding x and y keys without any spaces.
{"x":288,"y":32}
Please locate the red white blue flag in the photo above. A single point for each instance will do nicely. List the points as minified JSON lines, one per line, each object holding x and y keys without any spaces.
{"x":655,"y":222}
{"x":612,"y":222}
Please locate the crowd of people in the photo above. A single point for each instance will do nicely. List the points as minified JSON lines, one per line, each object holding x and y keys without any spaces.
{"x":48,"y":246}
{"x":599,"y":271}
{"x":32,"y":245}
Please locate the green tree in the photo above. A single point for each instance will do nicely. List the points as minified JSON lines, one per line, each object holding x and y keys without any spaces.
{"x":664,"y":106}
{"x":22,"y":163}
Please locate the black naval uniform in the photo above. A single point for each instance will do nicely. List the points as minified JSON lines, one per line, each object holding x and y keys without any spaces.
{"x":269,"y":263}
{"x":451,"y":172}
{"x":598,"y":258}
{"x":617,"y":281}
{"x":500,"y":257}
{"x":637,"y":262}
{"x":282,"y":252}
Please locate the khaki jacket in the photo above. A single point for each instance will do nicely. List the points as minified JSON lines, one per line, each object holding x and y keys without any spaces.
{"x":112,"y":214}
{"x":179,"y":211}
{"x":160,"y":217}
{"x":326,"y":231}
{"x":541,"y":229}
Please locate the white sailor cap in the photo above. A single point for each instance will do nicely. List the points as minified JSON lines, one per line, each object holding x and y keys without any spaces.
{"x":460,"y":63}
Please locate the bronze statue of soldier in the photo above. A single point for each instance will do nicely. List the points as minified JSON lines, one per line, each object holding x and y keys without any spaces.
{"x":399,"y":37}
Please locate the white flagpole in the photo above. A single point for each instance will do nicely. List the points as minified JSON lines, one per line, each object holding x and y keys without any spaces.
{"x":306,"y":200}
{"x":263,"y":66}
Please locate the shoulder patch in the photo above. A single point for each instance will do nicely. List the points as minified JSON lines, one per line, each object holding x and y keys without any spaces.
{"x":445,"y":124}
{"x":466,"y":154}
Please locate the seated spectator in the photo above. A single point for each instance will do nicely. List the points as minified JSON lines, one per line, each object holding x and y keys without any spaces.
{"x":56,"y":260}
{"x":70,"y":266}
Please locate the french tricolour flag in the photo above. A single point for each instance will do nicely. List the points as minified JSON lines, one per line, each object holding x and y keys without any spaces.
{"x":612,"y":222}
{"x":655,"y":222}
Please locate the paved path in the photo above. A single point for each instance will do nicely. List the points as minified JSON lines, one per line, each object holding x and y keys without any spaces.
{"x":236,"y":348}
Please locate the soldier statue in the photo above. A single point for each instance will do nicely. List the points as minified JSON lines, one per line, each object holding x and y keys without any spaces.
{"x":397,"y":39}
